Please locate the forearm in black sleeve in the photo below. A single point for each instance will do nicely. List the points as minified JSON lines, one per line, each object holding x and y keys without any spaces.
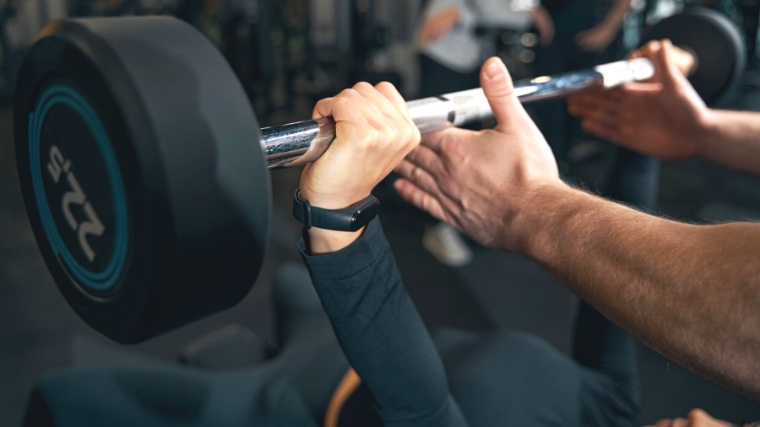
{"x":382,"y":333}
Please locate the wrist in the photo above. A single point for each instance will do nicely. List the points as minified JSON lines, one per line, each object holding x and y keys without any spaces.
{"x":707,"y":127}
{"x":330,"y":200}
{"x":537,"y":225}
{"x":323,"y":241}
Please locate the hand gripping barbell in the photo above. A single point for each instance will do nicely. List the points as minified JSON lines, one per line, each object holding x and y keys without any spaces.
{"x":146,"y":177}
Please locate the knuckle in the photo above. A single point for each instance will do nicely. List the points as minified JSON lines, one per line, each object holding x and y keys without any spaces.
{"x":318,"y":106}
{"x":341,"y":102}
{"x":341,"y":106}
{"x":426,"y":203}
{"x":418,"y":200}
{"x":362,"y":86}
{"x":403,"y":133}
{"x":370,"y":138}
{"x":389,"y":134}
{"x":697,"y":414}
{"x":385,"y":86}
{"x":347,"y":93}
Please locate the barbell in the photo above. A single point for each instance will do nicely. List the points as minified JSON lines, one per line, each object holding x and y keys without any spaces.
{"x":145,"y":174}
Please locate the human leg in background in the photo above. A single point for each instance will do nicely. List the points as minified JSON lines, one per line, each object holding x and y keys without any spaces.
{"x":612,"y":392}
{"x":446,"y":244}
{"x":635,"y":180}
{"x":551,"y":116}
{"x":751,"y":18}
{"x":610,"y":385}
{"x":440,"y":239}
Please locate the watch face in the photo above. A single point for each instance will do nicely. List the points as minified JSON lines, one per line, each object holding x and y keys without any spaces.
{"x":364,"y":214}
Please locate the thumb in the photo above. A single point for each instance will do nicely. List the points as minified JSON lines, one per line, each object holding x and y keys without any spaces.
{"x":666,"y":65}
{"x":499,"y":90}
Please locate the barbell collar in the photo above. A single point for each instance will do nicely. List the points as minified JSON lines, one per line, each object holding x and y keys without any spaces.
{"x":299,"y":143}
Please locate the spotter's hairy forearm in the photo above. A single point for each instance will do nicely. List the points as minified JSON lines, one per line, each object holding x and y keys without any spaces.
{"x":732,"y":139}
{"x":691,"y":292}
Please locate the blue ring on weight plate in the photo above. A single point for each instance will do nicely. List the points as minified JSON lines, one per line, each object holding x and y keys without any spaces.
{"x":60,"y":94}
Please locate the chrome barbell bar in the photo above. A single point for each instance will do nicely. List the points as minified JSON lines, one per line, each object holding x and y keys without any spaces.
{"x":303,"y":142}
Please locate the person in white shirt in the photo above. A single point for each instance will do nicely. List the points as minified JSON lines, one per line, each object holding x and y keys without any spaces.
{"x":451,"y":51}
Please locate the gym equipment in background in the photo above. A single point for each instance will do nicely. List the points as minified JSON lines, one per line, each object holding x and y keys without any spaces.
{"x":146,"y":176}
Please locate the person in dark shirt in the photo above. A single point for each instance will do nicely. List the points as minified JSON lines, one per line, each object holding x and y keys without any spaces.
{"x":409,"y":378}
{"x":589,"y":33}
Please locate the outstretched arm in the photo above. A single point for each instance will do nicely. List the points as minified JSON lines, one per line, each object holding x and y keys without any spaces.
{"x":666,"y":118}
{"x":732,"y":139}
{"x":355,"y":274}
{"x":689,"y":291}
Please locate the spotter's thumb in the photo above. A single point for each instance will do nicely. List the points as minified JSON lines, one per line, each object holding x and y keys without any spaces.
{"x":499,"y":90}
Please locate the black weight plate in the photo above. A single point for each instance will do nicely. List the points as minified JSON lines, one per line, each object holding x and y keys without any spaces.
{"x":714,"y":39}
{"x":141,"y":166}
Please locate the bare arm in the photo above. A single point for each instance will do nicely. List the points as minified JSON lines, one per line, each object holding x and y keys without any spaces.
{"x":732,"y":139}
{"x":691,"y":292}
{"x":355,"y":273}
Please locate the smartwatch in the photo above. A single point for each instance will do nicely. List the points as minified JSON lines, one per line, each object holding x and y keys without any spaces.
{"x":351,"y":218}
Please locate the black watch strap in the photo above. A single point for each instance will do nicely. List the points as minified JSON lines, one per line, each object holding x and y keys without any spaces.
{"x":351,"y":218}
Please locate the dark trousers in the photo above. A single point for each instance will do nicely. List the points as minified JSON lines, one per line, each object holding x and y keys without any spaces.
{"x":437,"y":79}
{"x":751,"y":12}
{"x":634,"y":178}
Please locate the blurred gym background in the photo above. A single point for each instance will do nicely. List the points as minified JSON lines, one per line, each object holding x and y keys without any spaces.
{"x":288,"y":54}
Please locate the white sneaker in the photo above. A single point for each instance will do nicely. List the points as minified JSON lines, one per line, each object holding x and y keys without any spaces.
{"x":446,"y":245}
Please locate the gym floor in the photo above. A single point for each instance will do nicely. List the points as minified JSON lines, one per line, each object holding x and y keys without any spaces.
{"x":40,"y":333}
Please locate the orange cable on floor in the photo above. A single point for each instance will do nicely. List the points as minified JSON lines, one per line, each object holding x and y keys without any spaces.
{"x":347,"y":385}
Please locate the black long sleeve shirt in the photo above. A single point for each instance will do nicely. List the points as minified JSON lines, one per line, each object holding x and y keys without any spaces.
{"x":382,"y":333}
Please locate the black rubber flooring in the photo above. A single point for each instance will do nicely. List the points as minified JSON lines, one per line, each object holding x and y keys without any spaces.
{"x":37,"y":328}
